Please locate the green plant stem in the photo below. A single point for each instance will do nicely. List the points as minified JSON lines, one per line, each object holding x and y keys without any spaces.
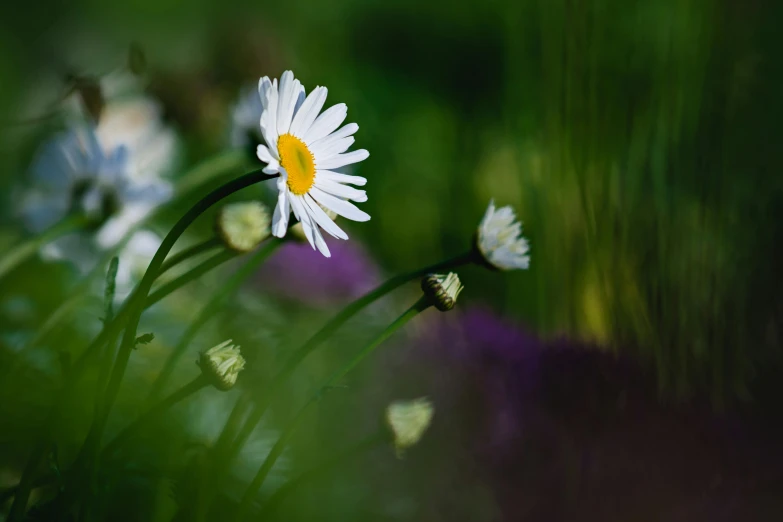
{"x":327,"y":330}
{"x":419,"y":306}
{"x":198,"y":271}
{"x":369,"y":442}
{"x":189,"y":389}
{"x":133,"y":309}
{"x":187,"y":253}
{"x":14,"y":256}
{"x":226,"y":289}
{"x":137,"y":306}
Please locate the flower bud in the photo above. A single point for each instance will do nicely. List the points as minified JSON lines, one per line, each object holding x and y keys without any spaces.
{"x":242,"y":226}
{"x":408,"y":420}
{"x":442,"y":290}
{"x":221,"y":364}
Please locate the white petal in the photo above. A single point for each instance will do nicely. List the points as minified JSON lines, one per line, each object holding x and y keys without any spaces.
{"x":265,"y":155}
{"x":308,"y":112}
{"x":327,"y":148}
{"x":300,"y":212}
{"x":339,"y":206}
{"x":269,"y":119}
{"x":341,"y":160}
{"x":328,"y":121}
{"x":343,"y":132}
{"x":289,"y":91}
{"x":311,"y":231}
{"x":281,"y":214}
{"x":320,"y":217}
{"x":341,"y":191}
{"x":342,"y":178}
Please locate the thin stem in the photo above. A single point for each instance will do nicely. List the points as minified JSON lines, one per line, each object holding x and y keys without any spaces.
{"x":327,"y":330}
{"x":201,"y":269}
{"x":369,"y":442}
{"x":137,"y":306}
{"x":189,"y":389}
{"x":16,"y":255}
{"x":227,"y":288}
{"x":189,"y":252}
{"x":419,"y":306}
{"x":133,"y":309}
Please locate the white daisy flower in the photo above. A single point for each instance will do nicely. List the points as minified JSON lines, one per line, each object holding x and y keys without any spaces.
{"x":500,"y":240}
{"x":306,"y":147}
{"x":74,"y":172}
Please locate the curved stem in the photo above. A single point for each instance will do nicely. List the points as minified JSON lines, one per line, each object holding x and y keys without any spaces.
{"x":137,"y":305}
{"x":14,"y":256}
{"x":132,"y":312}
{"x":227,"y":288}
{"x":328,"y":329}
{"x":189,"y":389}
{"x":189,"y":252}
{"x":419,"y":306}
{"x":191,"y":275}
{"x":271,"y":505}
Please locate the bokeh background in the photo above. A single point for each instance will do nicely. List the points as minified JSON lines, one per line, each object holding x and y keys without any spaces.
{"x":632,"y":373}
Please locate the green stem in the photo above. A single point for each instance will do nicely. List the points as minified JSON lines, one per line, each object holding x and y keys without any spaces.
{"x":137,"y":305}
{"x":327,"y":330}
{"x":419,"y":306}
{"x":189,"y":252}
{"x":132,"y":311}
{"x":227,"y":288}
{"x":16,"y":255}
{"x":198,"y":271}
{"x":271,"y":505}
{"x":192,"y":387}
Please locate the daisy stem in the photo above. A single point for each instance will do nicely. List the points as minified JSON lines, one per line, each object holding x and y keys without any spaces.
{"x":132,"y":312}
{"x":185,"y":391}
{"x":137,"y":305}
{"x":227,"y":288}
{"x":327,"y":330}
{"x":418,"y":307}
{"x":187,"y":253}
{"x":326,"y":466}
{"x":13,"y":257}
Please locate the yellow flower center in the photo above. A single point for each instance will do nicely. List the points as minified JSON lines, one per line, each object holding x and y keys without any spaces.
{"x":298,"y":162}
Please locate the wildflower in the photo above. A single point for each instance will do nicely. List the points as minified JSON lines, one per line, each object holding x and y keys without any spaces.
{"x":442,"y":290}
{"x":242,"y":226}
{"x":500,"y":241}
{"x":221,"y":364}
{"x":408,"y":420}
{"x":305,"y":148}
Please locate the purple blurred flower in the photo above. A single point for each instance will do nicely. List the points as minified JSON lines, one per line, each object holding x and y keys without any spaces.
{"x":300,"y":273}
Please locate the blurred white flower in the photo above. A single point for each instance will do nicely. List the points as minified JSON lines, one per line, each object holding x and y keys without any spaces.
{"x":245,"y":117}
{"x":243,"y":225}
{"x":500,"y":240}
{"x":408,"y":420}
{"x":306,"y":148}
{"x":134,"y":258}
{"x":111,"y":173}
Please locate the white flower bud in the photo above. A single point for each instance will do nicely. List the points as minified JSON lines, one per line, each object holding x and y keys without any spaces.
{"x":242,"y":226}
{"x":408,"y":420}
{"x":442,"y":290}
{"x":221,"y":364}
